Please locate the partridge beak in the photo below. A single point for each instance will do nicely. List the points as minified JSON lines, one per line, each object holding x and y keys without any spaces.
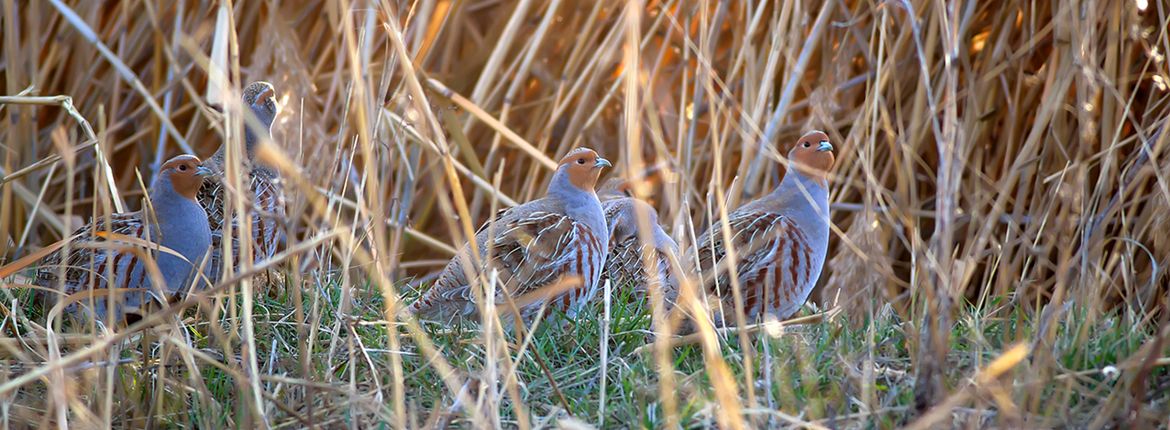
{"x":601,"y":162}
{"x":825,"y":146}
{"x":202,"y":171}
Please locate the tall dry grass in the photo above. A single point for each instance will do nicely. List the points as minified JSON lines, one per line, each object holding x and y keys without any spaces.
{"x":996,"y":161}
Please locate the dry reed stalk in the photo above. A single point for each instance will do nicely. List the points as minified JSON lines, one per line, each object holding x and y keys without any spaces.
{"x":1005,"y":158}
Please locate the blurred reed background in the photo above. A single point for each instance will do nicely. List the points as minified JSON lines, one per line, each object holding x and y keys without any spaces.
{"x":1000,"y":203}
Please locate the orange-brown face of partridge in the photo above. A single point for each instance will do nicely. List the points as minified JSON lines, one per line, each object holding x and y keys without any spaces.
{"x":186,"y":173}
{"x":813,"y":155}
{"x":583,"y":166}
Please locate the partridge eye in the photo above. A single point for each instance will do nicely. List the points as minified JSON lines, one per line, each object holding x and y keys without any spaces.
{"x":580,"y":161}
{"x":806,"y":144}
{"x":182,"y":167}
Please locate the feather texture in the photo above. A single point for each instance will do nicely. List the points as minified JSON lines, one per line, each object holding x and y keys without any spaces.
{"x":527,"y":250}
{"x":774,"y":264}
{"x":265,"y":204}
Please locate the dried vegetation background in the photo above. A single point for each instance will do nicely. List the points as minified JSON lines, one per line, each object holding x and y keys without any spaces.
{"x":996,"y":161}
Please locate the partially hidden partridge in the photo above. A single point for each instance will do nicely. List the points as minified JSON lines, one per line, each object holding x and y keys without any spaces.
{"x":780,"y":240}
{"x":532,"y":248}
{"x":265,"y":198}
{"x":107,"y":253}
{"x":625,"y":265}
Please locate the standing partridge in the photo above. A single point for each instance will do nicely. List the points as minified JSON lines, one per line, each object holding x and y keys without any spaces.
{"x":531,"y":247}
{"x":107,"y":253}
{"x":780,"y":240}
{"x":266,"y":195}
{"x":624,"y":265}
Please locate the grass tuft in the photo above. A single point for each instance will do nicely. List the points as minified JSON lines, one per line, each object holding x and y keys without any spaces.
{"x":1000,"y":207}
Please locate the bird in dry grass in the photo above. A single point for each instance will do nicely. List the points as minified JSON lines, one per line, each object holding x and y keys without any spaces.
{"x":550,"y":250}
{"x":780,"y":240}
{"x":625,"y":265}
{"x":265,"y":198}
{"x":110,"y":253}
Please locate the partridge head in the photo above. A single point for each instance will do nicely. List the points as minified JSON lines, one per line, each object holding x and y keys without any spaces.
{"x":580,"y":168}
{"x":813,"y":155}
{"x":618,"y":186}
{"x":182,"y":175}
{"x":614,"y":188}
{"x":260,"y":99}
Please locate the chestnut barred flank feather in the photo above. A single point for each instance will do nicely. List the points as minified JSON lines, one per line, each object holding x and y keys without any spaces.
{"x":775,"y":265}
{"x":99,"y":267}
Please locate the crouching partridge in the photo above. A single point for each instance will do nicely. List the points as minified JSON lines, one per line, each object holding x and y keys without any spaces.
{"x":108,"y":253}
{"x":534,"y":248}
{"x":625,"y":265}
{"x":265,"y":196}
{"x":780,"y":240}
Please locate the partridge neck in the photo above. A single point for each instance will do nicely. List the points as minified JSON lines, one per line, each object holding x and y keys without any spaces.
{"x":663,"y":241}
{"x":251,"y":139}
{"x":580,"y":204}
{"x":801,"y":197}
{"x":219,"y":159}
{"x":563,"y":188}
{"x":178,"y":219}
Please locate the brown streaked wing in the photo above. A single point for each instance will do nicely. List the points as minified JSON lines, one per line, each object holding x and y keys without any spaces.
{"x":82,"y":263}
{"x":536,"y":250}
{"x":625,"y":267}
{"x":451,"y":291}
{"x":773,"y":261}
{"x":211,"y":197}
{"x":531,"y":251}
{"x":539,"y":249}
{"x":752,"y":236}
{"x":269,"y":215}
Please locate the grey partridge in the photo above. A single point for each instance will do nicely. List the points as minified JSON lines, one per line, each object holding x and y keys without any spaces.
{"x":106,"y":253}
{"x":531,"y":247}
{"x":780,"y":240}
{"x":625,"y":264}
{"x":265,"y":192}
